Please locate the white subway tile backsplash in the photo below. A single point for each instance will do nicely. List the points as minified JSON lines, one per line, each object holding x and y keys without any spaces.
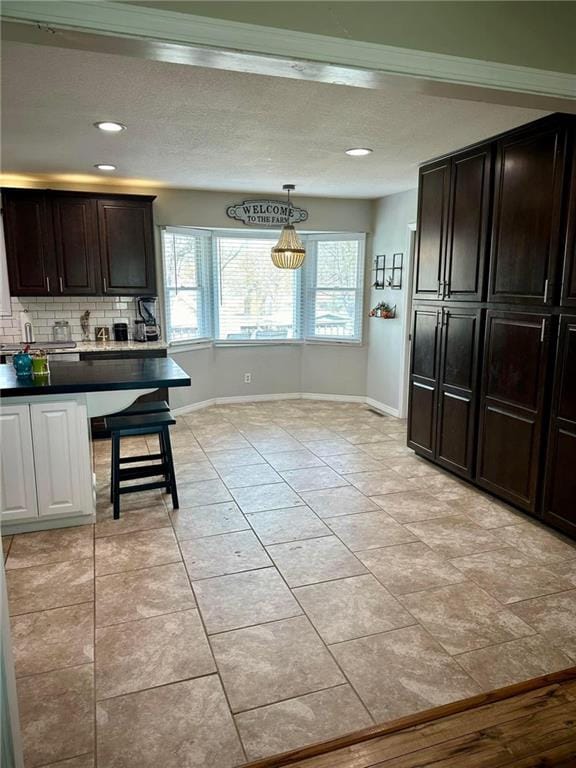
{"x":45,"y":310}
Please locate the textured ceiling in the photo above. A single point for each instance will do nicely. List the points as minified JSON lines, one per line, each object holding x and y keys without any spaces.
{"x":212,"y":129}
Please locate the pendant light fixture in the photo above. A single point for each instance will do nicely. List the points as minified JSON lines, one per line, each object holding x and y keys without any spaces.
{"x":289,"y":252}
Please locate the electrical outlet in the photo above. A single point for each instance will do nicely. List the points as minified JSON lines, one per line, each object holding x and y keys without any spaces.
{"x":247,"y":378}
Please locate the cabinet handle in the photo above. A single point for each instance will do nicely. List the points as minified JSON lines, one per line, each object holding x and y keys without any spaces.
{"x":423,"y":386}
{"x":546,"y":291}
{"x":105,"y":286}
{"x":457,"y":397}
{"x":439,"y":294}
{"x":543,"y":330}
{"x":47,"y":284}
{"x":61,"y":285}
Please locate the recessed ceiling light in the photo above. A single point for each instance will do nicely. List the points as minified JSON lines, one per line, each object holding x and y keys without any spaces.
{"x":359,"y":151}
{"x":105,"y":167}
{"x":110,"y":127}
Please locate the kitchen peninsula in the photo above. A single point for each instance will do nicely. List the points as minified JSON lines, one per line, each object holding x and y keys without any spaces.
{"x":47,"y":477}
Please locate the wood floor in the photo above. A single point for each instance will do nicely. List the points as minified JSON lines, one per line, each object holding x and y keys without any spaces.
{"x":528,"y":725}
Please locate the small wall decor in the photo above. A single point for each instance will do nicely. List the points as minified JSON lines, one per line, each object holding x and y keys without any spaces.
{"x":267,"y":213}
{"x":383,"y":310}
{"x":388,"y":271}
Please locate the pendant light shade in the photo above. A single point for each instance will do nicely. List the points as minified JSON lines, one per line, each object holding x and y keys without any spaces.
{"x":289,"y":251}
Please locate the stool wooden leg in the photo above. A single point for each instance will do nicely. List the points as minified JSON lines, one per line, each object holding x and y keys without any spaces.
{"x":170,"y":463}
{"x":112,"y":464}
{"x":116,"y":475}
{"x":167,"y":475}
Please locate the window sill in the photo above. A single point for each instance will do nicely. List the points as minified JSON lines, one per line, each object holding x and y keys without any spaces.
{"x":189,"y":346}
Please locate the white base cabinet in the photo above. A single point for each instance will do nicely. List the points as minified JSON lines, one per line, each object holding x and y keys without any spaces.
{"x":46,"y":468}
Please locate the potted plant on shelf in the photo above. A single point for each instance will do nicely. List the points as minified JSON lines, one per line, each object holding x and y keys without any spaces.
{"x":383,"y":310}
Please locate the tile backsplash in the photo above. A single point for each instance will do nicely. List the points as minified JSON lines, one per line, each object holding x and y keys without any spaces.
{"x":45,"y":311}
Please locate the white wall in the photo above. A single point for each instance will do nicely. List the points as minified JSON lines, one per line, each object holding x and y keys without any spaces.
{"x":385,"y":359}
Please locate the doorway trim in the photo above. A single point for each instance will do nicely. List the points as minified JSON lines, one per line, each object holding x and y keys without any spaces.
{"x":407,"y":320}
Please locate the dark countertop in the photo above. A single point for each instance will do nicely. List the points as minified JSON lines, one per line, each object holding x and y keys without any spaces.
{"x":95,"y":376}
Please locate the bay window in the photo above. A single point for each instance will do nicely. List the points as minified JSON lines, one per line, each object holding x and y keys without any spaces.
{"x":221,"y":285}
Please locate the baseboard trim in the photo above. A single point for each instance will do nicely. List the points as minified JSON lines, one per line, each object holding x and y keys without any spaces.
{"x":285,"y":396}
{"x":378,"y":406}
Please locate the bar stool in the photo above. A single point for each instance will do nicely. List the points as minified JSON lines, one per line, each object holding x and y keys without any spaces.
{"x":138,"y":424}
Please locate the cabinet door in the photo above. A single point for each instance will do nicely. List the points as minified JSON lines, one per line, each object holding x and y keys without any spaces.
{"x":560,"y":497}
{"x":514,"y":377}
{"x":457,"y":389}
{"x":76,"y":244}
{"x":29,"y":243}
{"x":529,"y":176}
{"x":62,"y":459}
{"x":127,"y":247}
{"x":568,"y":295}
{"x":423,"y":381}
{"x":17,"y":490}
{"x":433,"y":194}
{"x":468,"y":225}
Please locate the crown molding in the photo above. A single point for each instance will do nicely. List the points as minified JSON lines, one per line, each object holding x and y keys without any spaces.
{"x":291,"y":53}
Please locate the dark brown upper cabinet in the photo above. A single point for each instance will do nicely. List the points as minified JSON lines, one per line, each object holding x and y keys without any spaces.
{"x":568,"y":293}
{"x":512,"y":404}
{"x":526,"y":237}
{"x":453,"y":210}
{"x":560,"y":496}
{"x":443,"y":385}
{"x":78,"y":244}
{"x":29,"y":243}
{"x":126,"y":247}
{"x":433,"y":195}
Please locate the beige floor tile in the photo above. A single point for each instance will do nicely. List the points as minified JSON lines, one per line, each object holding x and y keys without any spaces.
{"x":402,"y":672}
{"x":454,"y":536}
{"x":280,"y":525}
{"x":411,"y":466}
{"x":202,"y":493}
{"x":299,"y":722}
{"x":151,"y":652}
{"x":57,"y":714}
{"x":386,"y":450}
{"x":378,"y":483}
{"x":554,"y":617}
{"x":332,"y":502}
{"x":244,"y":599}
{"x":56,"y":546}
{"x":260,"y":498}
{"x":358,"y":461}
{"x":264,"y":664}
{"x":224,"y":554}
{"x":141,"y":594}
{"x":513,"y":662}
{"x":299,"y":459}
{"x":195,"y":471}
{"x":184,"y":725}
{"x":462,"y":617}
{"x":412,"y":506}
{"x":448,"y":488}
{"x":333,"y":447}
{"x":409,"y":568}
{"x":268,"y":446}
{"x":129,"y":502}
{"x":131,"y":520}
{"x":257,"y":474}
{"x":510,"y":576}
{"x":313,"y":478}
{"x":349,"y":608}
{"x":487,"y":513}
{"x":362,"y":436}
{"x":48,"y":640}
{"x":228,"y":459}
{"x":314,"y":560}
{"x":41,"y":587}
{"x":222,"y":442}
{"x":540,"y":544}
{"x":6,"y":542}
{"x":130,"y":551}
{"x":566,"y":570}
{"x":369,"y":530}
{"x":307,"y":434}
{"x":82,"y":761}
{"x":209,"y":520}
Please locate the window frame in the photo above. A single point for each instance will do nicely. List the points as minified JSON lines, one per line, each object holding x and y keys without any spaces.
{"x":305,"y":289}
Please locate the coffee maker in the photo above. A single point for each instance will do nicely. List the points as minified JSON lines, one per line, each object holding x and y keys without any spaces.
{"x":147,"y":328}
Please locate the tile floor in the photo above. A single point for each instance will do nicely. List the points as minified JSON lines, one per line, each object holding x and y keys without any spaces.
{"x":318,"y":578}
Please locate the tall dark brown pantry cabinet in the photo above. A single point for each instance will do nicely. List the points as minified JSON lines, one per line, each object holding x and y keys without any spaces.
{"x":492,"y":393}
